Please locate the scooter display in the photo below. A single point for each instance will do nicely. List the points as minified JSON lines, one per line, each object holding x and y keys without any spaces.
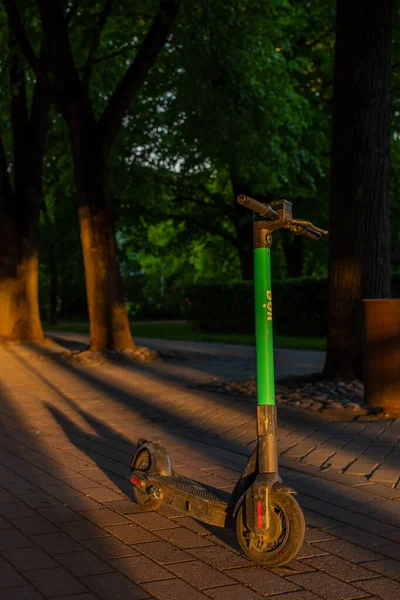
{"x":269,"y":522}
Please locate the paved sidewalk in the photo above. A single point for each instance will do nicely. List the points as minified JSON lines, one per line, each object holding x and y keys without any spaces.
{"x":68,"y":528}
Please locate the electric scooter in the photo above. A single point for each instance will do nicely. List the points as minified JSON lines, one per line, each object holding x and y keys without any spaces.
{"x":269,"y":522}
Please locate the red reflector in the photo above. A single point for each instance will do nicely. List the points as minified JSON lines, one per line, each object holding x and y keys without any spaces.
{"x":259,"y":515}
{"x":136,"y":481}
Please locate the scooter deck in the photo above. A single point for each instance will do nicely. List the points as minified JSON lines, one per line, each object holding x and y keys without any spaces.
{"x":193,"y":498}
{"x":191,"y":486}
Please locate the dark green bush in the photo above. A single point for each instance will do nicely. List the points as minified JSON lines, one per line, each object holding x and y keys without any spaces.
{"x":300,"y":306}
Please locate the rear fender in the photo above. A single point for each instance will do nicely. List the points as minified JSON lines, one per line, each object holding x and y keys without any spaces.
{"x":160,"y":460}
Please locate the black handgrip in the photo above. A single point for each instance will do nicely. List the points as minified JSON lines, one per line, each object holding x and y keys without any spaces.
{"x":262,"y":209}
{"x":312,"y":233}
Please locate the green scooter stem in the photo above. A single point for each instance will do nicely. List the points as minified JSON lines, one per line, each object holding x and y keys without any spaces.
{"x":263,"y":321}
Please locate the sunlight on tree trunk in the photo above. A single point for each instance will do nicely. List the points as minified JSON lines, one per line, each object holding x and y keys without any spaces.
{"x":109,"y":323}
{"x":19,"y":305}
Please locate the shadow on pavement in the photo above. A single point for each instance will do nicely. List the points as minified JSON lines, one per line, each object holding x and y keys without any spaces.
{"x":353,"y":514}
{"x":48,"y":531}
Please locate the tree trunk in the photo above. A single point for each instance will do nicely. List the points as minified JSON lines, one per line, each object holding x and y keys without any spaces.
{"x":20,"y":210}
{"x":19,"y":303}
{"x":109,"y":323}
{"x":293,"y":251}
{"x":359,"y":251}
{"x":53,"y":292}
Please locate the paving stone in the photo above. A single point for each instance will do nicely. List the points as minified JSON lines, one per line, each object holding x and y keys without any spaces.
{"x":56,"y":543}
{"x":229,"y":592}
{"x":262,"y":580}
{"x":130,"y":533}
{"x":54,"y":582}
{"x":333,"y":565}
{"x":164,"y":553}
{"x":387,"y":589}
{"x":316,"y":535}
{"x":109,"y":547}
{"x":16,"y":510}
{"x":60,"y":514}
{"x":173,"y":589}
{"x":292,"y":568}
{"x":104,"y":517}
{"x":327,"y":587}
{"x":102,"y":494}
{"x":299,"y":596}
{"x":62,"y":490}
{"x":368,"y":540}
{"x":12,"y":538}
{"x":220,"y":558}
{"x":124,"y":507}
{"x":183,"y":538}
{"x":386,"y":566}
{"x":140,"y":569}
{"x":26,"y":559}
{"x":40,"y":500}
{"x":152,"y":521}
{"x":21,"y":592}
{"x":322,"y":522}
{"x":6,"y":497}
{"x":83,"y":563}
{"x":200,"y":575}
{"x":361,"y":467}
{"x":113,"y":585}
{"x":34,"y":525}
{"x":81,"y":503}
{"x":9,"y":576}
{"x":83,"y":530}
{"x":347,"y":551}
{"x":311,"y":550}
{"x":382,"y":474}
{"x":87,"y":596}
{"x":392,"y":551}
{"x":4,"y":524}
{"x":193,"y":525}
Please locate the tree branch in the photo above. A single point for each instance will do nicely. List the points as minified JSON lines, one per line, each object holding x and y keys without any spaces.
{"x":101,"y":59}
{"x":133,"y":79}
{"x":26,"y":47}
{"x":95,"y":42}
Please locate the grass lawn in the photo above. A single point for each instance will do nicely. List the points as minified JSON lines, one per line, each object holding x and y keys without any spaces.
{"x":184,"y":331}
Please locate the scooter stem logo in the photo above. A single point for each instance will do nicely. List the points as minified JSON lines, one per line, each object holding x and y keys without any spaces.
{"x":268,"y":305}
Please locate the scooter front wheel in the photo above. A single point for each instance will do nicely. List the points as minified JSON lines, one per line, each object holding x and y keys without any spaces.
{"x":289,"y":538}
{"x":143,"y":462}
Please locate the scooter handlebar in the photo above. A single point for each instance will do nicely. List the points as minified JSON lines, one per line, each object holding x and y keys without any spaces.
{"x":262,"y":209}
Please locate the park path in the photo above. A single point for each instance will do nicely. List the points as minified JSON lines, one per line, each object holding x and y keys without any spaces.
{"x":69,"y":530}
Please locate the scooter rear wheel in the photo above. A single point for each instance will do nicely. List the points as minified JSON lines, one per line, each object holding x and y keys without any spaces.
{"x":143,"y":462}
{"x":290,"y":537}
